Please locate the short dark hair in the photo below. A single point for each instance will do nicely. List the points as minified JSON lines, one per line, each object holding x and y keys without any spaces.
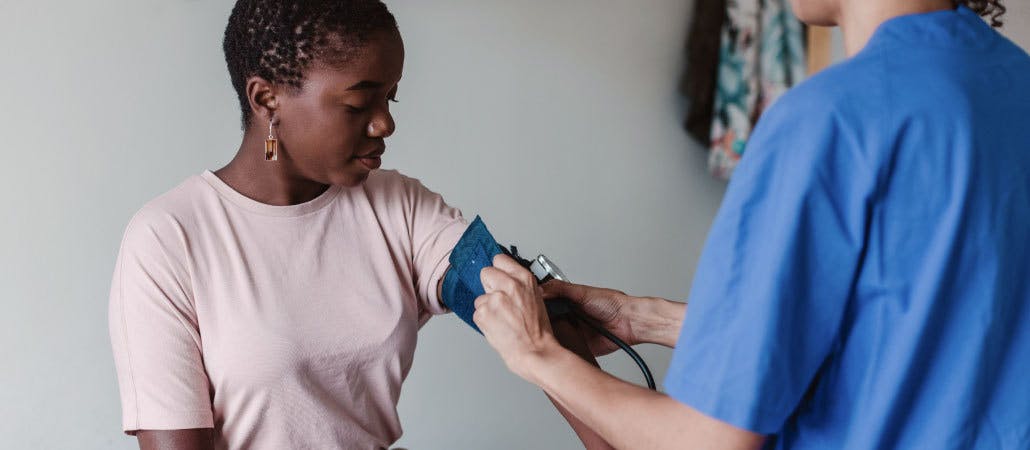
{"x":986,"y":8}
{"x":278,"y":39}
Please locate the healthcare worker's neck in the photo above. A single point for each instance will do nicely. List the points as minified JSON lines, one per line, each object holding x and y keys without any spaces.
{"x":860,"y":18}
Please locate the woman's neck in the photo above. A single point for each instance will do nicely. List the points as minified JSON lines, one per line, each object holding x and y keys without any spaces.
{"x":269,"y":182}
{"x":859,"y":18}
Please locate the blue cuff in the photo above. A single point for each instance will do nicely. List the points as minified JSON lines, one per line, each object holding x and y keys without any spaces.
{"x":461,"y":286}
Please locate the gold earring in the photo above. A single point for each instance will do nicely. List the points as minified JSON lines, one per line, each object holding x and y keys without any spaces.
{"x":271,"y":144}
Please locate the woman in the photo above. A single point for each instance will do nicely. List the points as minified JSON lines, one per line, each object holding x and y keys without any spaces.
{"x":866,"y":283}
{"x":274,"y":303}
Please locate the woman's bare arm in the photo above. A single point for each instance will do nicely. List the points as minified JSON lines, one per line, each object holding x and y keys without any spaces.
{"x":190,"y":439}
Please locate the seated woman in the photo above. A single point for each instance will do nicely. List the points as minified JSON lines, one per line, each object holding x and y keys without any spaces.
{"x":275,"y":303}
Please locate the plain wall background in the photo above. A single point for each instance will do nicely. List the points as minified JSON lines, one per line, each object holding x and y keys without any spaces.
{"x":572,"y":104}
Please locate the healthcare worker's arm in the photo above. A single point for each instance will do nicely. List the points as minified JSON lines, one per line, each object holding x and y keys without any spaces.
{"x":574,"y":339}
{"x":571,"y":338}
{"x":635,"y":320}
{"x":514,"y":320}
{"x":770,"y":298}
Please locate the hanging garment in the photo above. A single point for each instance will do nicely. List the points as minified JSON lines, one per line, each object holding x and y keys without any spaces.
{"x":699,"y":78}
{"x":761,"y":56}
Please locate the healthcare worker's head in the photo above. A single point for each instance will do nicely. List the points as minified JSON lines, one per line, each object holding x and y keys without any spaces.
{"x":828,"y":12}
{"x":322,"y":73}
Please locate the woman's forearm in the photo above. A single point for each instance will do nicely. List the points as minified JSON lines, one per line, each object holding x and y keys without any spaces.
{"x":187,"y":439}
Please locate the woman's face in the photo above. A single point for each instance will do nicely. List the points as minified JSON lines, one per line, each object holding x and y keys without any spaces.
{"x":332,"y":130}
{"x":817,"y":12}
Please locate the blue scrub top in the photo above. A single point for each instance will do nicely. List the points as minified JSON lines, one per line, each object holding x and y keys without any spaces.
{"x":866,"y":283}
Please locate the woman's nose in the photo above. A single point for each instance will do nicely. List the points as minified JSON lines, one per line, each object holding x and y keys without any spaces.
{"x":381,"y":125}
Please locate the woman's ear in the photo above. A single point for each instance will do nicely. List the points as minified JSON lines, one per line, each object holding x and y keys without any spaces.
{"x":261,"y":97}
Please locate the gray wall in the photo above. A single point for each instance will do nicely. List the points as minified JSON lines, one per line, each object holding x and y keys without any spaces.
{"x":108,"y":104}
{"x":572,"y":105}
{"x":1017,"y":22}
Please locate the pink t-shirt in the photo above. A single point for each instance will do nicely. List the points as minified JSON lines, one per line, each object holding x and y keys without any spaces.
{"x":282,"y":327}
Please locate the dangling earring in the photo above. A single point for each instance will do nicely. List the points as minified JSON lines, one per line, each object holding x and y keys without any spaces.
{"x":271,"y":144}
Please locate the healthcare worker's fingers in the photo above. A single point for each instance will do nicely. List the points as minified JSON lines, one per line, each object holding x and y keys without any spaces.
{"x":603,"y":305}
{"x":512,"y":317}
{"x":514,"y":269}
{"x":562,"y":289}
{"x":578,"y":293}
{"x":482,"y":300}
{"x":608,"y":307}
{"x":495,"y":279}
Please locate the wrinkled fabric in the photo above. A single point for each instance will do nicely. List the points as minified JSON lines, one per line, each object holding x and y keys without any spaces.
{"x":280,"y":327}
{"x":866,"y":283}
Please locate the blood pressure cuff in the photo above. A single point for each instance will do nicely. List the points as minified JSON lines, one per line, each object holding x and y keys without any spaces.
{"x":461,"y":286}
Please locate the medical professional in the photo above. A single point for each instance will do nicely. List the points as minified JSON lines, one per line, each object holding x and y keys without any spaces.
{"x":866,"y":283}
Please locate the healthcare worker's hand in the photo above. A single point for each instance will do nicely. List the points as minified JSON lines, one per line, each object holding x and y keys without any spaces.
{"x":514,"y":320}
{"x":635,"y":320}
{"x":512,"y":315}
{"x":605,"y":306}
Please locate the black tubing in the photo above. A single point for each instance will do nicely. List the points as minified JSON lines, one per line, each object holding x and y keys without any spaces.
{"x":623,"y":345}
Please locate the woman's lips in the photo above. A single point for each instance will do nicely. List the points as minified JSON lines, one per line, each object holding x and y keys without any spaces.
{"x":371,"y":162}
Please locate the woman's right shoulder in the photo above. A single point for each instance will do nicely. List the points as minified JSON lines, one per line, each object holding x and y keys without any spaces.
{"x":168,"y":215}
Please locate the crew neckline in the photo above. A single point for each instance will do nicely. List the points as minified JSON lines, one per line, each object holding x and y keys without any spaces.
{"x":938,"y":29}
{"x":255,"y":206}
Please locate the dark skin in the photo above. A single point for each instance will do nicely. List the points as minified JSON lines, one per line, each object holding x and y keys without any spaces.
{"x":338,"y":116}
{"x":331,"y":131}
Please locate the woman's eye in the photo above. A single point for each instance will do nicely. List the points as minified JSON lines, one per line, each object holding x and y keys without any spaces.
{"x":393,"y":99}
{"x":356,"y":109}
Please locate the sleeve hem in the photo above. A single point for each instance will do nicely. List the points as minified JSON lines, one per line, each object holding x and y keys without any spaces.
{"x":183,"y":420}
{"x":753,"y":418}
{"x":433,"y":304}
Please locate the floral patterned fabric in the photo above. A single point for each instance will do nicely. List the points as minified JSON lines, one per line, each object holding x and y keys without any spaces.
{"x":761,"y":56}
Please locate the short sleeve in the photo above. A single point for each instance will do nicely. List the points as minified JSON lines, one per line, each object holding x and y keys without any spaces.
{"x":435,"y":228}
{"x":154,"y":330}
{"x":776,"y":272}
